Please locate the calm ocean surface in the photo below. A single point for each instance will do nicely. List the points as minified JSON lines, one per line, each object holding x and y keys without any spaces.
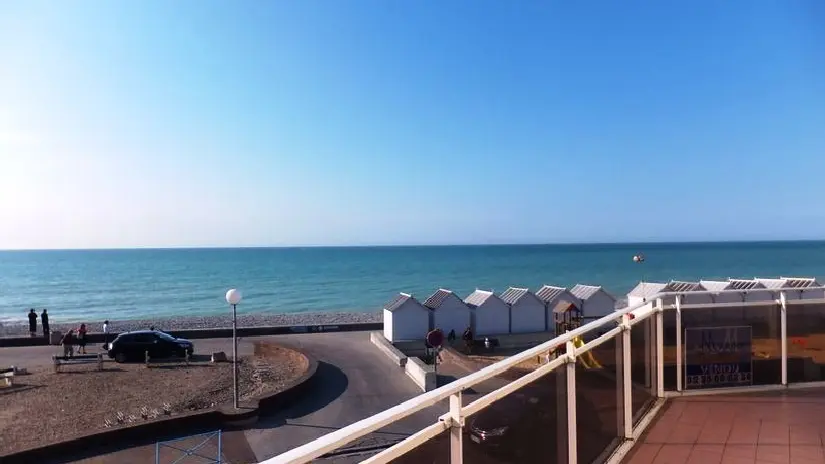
{"x":134,"y":284}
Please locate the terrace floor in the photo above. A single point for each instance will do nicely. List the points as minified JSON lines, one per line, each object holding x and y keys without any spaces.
{"x":775,"y":427}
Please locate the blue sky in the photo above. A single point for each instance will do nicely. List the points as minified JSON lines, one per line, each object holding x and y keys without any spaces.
{"x":186,"y":123}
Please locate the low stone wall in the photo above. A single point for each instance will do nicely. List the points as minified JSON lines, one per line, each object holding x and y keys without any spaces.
{"x":397,"y":357}
{"x":421,"y":374}
{"x":221,"y":332}
{"x":225,"y":417}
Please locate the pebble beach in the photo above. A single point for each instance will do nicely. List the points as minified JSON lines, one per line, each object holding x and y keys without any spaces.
{"x":206,"y":322}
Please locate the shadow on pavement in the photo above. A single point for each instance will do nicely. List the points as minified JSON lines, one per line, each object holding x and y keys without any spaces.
{"x":328,"y":384}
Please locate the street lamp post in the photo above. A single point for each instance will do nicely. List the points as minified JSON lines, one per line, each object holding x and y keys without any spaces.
{"x":233,"y":297}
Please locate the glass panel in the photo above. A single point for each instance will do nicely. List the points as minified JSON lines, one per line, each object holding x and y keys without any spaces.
{"x":669,"y":348}
{"x":599,"y":402}
{"x":731,"y":346}
{"x":642,"y":367}
{"x":529,"y":425}
{"x":806,"y":341}
{"x":434,"y":451}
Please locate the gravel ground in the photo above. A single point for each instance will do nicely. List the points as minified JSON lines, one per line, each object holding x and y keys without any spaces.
{"x":45,"y":407}
{"x":206,"y":322}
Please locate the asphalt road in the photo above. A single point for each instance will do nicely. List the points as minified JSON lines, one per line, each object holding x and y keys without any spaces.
{"x":354,"y":381}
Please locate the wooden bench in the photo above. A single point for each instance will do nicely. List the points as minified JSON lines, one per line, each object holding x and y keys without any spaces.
{"x":78,"y":359}
{"x":7,"y":379}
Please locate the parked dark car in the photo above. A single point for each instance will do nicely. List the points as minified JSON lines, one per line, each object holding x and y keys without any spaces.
{"x":520,"y":427}
{"x":134,"y":345}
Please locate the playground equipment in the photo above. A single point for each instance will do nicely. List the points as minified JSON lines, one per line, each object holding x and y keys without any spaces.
{"x":587,"y":359}
{"x":566,"y":316}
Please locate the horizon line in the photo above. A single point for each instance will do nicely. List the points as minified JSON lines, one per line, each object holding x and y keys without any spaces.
{"x":431,"y":245}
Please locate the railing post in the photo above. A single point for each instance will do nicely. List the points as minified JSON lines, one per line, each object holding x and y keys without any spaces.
{"x":572,"y":448}
{"x":783,"y":330}
{"x":627,"y":379}
{"x":660,"y":348}
{"x":678,"y":342}
{"x":456,"y":429}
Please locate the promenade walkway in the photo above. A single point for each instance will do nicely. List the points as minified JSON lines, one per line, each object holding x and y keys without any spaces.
{"x":775,"y":427}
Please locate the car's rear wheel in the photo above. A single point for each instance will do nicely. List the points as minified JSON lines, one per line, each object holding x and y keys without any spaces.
{"x":120,"y":357}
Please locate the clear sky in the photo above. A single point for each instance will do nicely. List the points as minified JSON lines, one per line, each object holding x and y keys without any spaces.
{"x":251,"y":123}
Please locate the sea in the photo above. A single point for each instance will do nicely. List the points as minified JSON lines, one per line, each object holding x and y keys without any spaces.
{"x":93,"y":285}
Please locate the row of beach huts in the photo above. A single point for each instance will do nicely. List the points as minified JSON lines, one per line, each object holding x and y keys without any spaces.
{"x":731,"y":290}
{"x":519,"y":310}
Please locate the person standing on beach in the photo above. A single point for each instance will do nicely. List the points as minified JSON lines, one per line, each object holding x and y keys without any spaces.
{"x":81,"y":339}
{"x":44,"y":320}
{"x":32,"y":322}
{"x":106,"y":334}
{"x":68,"y":344}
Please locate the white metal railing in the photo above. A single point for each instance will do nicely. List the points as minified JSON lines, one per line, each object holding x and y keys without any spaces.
{"x":624,"y":319}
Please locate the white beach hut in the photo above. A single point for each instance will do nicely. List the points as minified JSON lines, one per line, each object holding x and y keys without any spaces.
{"x":685,"y":288}
{"x":490,"y":314}
{"x":744,"y":286}
{"x":795,"y":288}
{"x":595,"y":301}
{"x":449,"y":313}
{"x":728,"y":314}
{"x":643,"y":292}
{"x":556,"y":299}
{"x":526,"y":310}
{"x":804,"y":288}
{"x":405,"y":319}
{"x":721,"y":286}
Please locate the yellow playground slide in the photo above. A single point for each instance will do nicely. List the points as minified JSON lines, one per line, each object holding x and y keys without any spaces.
{"x":587,"y":359}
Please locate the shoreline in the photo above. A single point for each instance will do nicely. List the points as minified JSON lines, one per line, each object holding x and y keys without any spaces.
{"x":203,"y":322}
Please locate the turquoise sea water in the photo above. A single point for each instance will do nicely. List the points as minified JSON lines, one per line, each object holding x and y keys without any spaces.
{"x":133,"y":284}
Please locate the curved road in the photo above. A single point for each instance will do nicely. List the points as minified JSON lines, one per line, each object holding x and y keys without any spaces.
{"x":354,"y":381}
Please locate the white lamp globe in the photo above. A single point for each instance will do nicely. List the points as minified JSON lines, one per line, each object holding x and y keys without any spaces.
{"x":233,"y":296}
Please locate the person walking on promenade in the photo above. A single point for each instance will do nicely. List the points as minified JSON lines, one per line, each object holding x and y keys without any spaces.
{"x":44,"y":321}
{"x":81,"y":339}
{"x":32,"y":322}
{"x":68,"y":344}
{"x":467,"y":336}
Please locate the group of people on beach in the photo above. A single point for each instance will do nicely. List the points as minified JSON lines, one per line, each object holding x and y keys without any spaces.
{"x":79,"y":337}
{"x":44,"y":321}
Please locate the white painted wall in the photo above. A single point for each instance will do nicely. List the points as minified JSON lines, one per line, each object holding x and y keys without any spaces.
{"x":409,"y":322}
{"x":634,"y":300}
{"x":453,"y":314}
{"x":598,"y":305}
{"x":423,"y":375}
{"x":527,"y":315}
{"x":491,"y":318}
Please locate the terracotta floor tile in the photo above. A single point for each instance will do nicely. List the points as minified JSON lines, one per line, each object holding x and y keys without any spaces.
{"x":744,"y":433}
{"x":805,"y":435}
{"x":659,"y":433}
{"x":774,"y":433}
{"x":807,"y":454}
{"x":695,"y":414}
{"x":644,"y":453}
{"x":673,"y":454}
{"x":706,"y":454}
{"x":684,"y":434}
{"x":715,"y":432}
{"x":735,"y":460}
{"x":775,"y":454}
{"x":740,"y":451}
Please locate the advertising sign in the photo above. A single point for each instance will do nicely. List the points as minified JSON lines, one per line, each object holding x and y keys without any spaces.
{"x":717,"y":357}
